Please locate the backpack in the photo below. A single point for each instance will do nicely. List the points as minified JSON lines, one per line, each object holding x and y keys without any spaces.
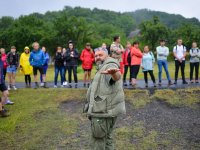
{"x":151,"y":55}
{"x":177,"y":49}
{"x":193,"y":51}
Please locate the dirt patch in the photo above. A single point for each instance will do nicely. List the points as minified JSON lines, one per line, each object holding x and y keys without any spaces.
{"x":179,"y":126}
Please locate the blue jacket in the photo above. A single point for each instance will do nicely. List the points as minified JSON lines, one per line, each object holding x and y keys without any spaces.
{"x":37,"y":58}
{"x":148,"y":61}
{"x":1,"y":72}
{"x":46,"y":59}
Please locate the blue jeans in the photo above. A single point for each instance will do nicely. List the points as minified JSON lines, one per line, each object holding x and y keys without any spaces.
{"x":57,"y":70}
{"x":45,"y":72}
{"x":11,"y":69}
{"x":165,"y":65}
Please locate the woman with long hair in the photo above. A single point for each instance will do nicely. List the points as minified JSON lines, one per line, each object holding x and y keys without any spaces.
{"x":71,"y":58}
{"x":87,"y":58}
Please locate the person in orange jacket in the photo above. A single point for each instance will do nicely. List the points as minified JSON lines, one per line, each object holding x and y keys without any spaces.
{"x":136,"y":59}
{"x":87,"y":58}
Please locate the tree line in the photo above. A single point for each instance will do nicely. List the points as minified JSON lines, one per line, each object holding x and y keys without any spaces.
{"x":96,"y":26}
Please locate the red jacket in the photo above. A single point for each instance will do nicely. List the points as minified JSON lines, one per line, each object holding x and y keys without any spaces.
{"x":3,"y":58}
{"x":136,"y":56}
{"x":125,"y":57}
{"x":87,"y":59}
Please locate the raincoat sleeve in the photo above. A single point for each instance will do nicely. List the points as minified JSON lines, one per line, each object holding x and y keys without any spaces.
{"x":82,"y":56}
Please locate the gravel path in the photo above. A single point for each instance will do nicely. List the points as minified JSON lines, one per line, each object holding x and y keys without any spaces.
{"x":140,"y":85}
{"x":179,"y":125}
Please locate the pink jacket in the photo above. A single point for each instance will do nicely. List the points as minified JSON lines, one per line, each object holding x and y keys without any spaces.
{"x":125,"y":57}
{"x":3,"y":58}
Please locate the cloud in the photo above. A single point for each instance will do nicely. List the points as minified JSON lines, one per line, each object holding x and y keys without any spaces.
{"x":18,"y":7}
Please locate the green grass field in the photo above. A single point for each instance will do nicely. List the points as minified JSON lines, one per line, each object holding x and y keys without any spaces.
{"x":37,"y":121}
{"x":50,"y":73}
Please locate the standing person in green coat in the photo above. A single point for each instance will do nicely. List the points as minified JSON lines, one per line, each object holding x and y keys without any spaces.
{"x":105,"y":101}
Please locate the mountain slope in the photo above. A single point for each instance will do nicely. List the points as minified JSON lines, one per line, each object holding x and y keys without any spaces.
{"x":171,"y":20}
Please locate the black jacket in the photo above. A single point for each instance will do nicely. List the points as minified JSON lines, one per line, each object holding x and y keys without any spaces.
{"x":71,"y":61}
{"x":59,"y":60}
{"x":10,"y":60}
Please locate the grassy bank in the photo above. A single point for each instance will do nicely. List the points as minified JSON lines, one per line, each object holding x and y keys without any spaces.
{"x":38,"y":122}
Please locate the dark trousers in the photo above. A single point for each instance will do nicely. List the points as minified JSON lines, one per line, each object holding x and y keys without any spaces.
{"x":134,"y":71}
{"x":45,"y":72}
{"x":74,"y":69}
{"x":126,"y":71}
{"x":177,"y":66}
{"x":4,"y":73}
{"x":28,"y":79}
{"x":196,"y":67}
{"x":146,"y":76}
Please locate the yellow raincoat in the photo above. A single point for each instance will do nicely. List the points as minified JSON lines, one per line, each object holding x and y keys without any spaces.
{"x":26,"y":68}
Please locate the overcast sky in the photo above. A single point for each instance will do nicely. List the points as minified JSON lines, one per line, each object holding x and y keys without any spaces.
{"x":15,"y":8}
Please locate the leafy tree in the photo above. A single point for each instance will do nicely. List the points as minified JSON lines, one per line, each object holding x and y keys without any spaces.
{"x":152,"y":31}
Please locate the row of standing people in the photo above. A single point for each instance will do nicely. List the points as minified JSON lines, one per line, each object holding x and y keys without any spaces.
{"x":133,"y":58}
{"x":66,"y":60}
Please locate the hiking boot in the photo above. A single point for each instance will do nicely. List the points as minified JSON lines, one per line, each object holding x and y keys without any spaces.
{"x":170,"y":83}
{"x":146,"y":85}
{"x":4,"y":113}
{"x":125,"y":84}
{"x":36,"y":85}
{"x":84,"y":84}
{"x":154,"y":85}
{"x":88,"y":85}
{"x":184,"y":82}
{"x":45,"y":85}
